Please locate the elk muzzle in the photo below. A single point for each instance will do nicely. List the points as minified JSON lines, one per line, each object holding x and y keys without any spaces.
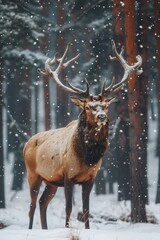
{"x":101,"y":115}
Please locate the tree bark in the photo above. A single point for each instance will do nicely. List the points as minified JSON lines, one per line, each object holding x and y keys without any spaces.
{"x":138,"y":210}
{"x":143,"y":85}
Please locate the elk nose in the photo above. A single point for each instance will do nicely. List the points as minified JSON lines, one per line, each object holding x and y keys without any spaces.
{"x":102,"y":117}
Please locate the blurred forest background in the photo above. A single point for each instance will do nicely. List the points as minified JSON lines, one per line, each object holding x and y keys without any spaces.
{"x":32,"y":31}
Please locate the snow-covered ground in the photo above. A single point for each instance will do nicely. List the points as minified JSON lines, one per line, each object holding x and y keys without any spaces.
{"x":102,"y":207}
{"x":104,"y":210}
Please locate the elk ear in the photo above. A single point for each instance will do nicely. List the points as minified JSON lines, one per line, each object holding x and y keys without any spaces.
{"x":78,"y":102}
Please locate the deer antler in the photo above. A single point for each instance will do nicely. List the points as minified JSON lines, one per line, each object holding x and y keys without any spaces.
{"x":128,"y":69}
{"x":62,"y":65}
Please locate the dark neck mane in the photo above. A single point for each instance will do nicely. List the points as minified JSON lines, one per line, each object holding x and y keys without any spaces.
{"x":90,"y":144}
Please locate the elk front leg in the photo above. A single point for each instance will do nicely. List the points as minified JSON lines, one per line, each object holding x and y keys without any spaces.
{"x":68,"y":187}
{"x":86,"y":189}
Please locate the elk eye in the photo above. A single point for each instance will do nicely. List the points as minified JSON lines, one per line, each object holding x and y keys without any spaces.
{"x":94,"y":109}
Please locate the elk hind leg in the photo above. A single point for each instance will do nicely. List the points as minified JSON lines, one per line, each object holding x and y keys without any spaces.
{"x":48,"y":194}
{"x":34,"y":183}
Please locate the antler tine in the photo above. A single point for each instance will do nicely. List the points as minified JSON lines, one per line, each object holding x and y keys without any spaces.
{"x":109,"y":88}
{"x":118,"y":56}
{"x":70,"y":61}
{"x":61,"y":65}
{"x":128,"y":69}
{"x":55,"y":60}
{"x":138,"y":64}
{"x":87,"y":87}
{"x":62,"y":59}
{"x":84,"y":93}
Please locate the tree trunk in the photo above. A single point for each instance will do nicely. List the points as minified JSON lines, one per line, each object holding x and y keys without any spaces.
{"x":47,"y":116}
{"x":118,"y":22}
{"x":44,"y":47}
{"x":12,"y":94}
{"x":100,"y":183}
{"x":158,"y":183}
{"x":157,"y":36}
{"x":138,"y":211}
{"x":21,"y":113}
{"x":2,"y":194}
{"x":143,"y":85}
{"x":123,"y":160}
{"x":62,"y":117}
{"x":122,"y":138}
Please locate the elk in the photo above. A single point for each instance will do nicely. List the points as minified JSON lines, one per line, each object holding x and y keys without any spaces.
{"x":72,"y":154}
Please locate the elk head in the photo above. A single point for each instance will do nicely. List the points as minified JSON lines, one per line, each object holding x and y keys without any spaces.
{"x":96,"y":110}
{"x":95,"y":107}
